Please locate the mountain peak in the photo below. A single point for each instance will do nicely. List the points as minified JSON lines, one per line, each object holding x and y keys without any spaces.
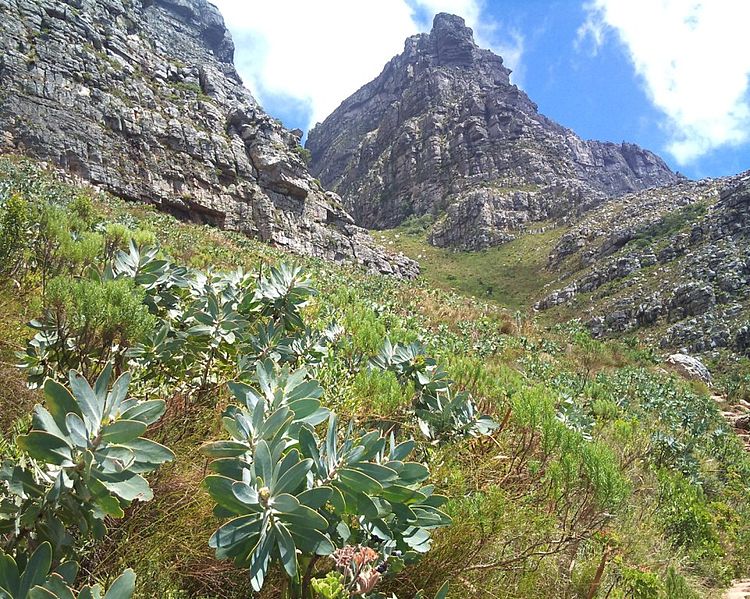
{"x":448,"y":20}
{"x":453,"y":41}
{"x":443,"y":131}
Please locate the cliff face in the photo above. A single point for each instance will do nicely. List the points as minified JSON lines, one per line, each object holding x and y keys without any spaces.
{"x":443,"y":130}
{"x":141,"y":97}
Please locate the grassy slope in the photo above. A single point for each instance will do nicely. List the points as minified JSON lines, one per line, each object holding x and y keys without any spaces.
{"x":515,"y":275}
{"x":506,"y":500}
{"x":512,"y":274}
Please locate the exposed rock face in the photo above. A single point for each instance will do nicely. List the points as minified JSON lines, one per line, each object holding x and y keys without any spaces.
{"x":673,"y":260}
{"x":486,"y":215}
{"x":443,"y":129}
{"x":141,"y":97}
{"x":690,"y":367}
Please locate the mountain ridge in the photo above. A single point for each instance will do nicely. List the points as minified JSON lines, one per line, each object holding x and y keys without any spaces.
{"x":670,"y":263}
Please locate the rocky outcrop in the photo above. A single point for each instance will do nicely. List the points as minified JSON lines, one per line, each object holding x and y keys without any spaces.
{"x":636,"y":218}
{"x":673,"y":260}
{"x":487,"y":215}
{"x":141,"y":98}
{"x":442,"y":130}
{"x":690,"y":367}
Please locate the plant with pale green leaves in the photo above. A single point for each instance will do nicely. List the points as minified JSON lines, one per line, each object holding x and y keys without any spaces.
{"x":442,"y":413}
{"x":269,"y":341}
{"x":273,"y":513}
{"x":83,"y":460}
{"x":164,"y":347}
{"x":280,"y":295}
{"x":382,"y":494}
{"x":330,"y":587}
{"x":162,"y":281}
{"x":291,"y":497}
{"x":407,"y":361}
{"x":446,"y":414}
{"x":140,"y":264}
{"x":88,"y":461}
{"x":36,"y":579}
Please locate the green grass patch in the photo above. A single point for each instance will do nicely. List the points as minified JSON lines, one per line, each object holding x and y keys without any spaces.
{"x":669,"y":224}
{"x":513,"y":274}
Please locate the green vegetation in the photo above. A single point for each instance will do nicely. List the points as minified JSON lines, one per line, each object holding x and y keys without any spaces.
{"x":417,"y":225}
{"x":304,"y":154}
{"x":512,"y":274}
{"x":81,"y":461}
{"x":669,"y":224}
{"x":188,"y":88}
{"x":332,"y":434}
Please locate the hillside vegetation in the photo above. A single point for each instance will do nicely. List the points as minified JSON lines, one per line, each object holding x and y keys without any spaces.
{"x":295,"y":428}
{"x":512,"y":274}
{"x":668,"y":265}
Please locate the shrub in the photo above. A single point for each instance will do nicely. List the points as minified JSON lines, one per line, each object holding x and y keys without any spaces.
{"x":86,"y":324}
{"x":33,"y":578}
{"x":640,"y":583}
{"x":676,"y":586}
{"x":685,"y":516}
{"x":442,"y":412}
{"x":304,"y":154}
{"x":669,"y":223}
{"x":83,"y":461}
{"x":380,"y":393}
{"x":15,"y":221}
{"x":416,"y":225}
{"x":293,"y":497}
{"x":116,"y":237}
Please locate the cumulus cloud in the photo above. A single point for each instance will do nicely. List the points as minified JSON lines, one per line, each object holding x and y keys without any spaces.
{"x":316,"y":53}
{"x":694,"y":60}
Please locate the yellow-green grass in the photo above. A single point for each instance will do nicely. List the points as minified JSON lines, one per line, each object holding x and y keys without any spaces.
{"x":512,"y":274}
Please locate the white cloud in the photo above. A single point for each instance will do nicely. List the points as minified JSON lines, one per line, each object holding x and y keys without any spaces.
{"x":694,"y":59}
{"x":470,"y":10}
{"x":317,"y":53}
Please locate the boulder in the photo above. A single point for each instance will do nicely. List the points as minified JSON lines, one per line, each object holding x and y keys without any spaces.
{"x":690,"y":367}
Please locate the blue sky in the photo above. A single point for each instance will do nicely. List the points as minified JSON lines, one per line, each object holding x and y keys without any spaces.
{"x":670,"y":75}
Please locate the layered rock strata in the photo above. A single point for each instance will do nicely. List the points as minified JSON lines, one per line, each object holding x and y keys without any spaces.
{"x":141,"y":98}
{"x":672,"y":260}
{"x":442,"y":130}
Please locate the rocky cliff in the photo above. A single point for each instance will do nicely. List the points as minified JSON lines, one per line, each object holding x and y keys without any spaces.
{"x":141,"y":97}
{"x":442,"y":130}
{"x":672,"y":262}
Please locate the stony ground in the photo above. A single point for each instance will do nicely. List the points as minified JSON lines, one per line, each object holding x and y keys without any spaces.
{"x":740,"y":590}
